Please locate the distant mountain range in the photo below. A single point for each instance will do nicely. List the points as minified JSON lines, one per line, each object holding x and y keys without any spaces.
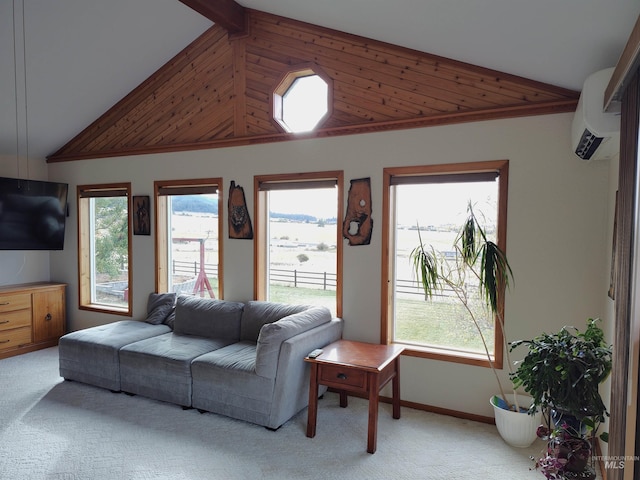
{"x":199,"y":204}
{"x":194,"y":204}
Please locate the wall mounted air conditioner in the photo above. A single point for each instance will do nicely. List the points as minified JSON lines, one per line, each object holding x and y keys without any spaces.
{"x":595,"y":134}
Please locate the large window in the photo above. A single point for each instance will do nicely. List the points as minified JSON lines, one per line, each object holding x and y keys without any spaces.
{"x":105,"y":247}
{"x":188,"y":225}
{"x":429,"y":204}
{"x":298,"y":247}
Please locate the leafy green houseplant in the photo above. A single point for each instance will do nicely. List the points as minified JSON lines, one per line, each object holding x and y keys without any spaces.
{"x":477,"y":260}
{"x":563,"y":372}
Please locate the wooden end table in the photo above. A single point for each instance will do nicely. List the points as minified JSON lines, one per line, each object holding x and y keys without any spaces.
{"x":356,"y":367}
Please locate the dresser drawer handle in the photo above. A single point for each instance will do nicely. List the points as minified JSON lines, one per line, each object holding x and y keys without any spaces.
{"x":342,"y":376}
{"x":48,"y":317}
{"x":3,"y":322}
{"x":5,"y":341}
{"x":5,"y":303}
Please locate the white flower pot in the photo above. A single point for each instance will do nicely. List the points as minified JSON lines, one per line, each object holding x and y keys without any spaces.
{"x":518,"y":429}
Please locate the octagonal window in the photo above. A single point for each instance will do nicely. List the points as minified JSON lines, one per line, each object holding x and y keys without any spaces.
{"x":301,"y":101}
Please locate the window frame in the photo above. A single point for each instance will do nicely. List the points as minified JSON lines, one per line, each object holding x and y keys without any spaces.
{"x":161,"y":239}
{"x":388,"y":257}
{"x":261,"y":244}
{"x":83,"y":197}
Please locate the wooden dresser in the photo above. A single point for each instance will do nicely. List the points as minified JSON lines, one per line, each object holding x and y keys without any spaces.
{"x":32,"y":316}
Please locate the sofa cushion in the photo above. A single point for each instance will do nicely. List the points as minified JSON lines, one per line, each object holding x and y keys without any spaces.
{"x":159,"y":307}
{"x":160,"y":368}
{"x":273,"y":334}
{"x":224,"y":382}
{"x":205,"y":317}
{"x":257,"y":313}
{"x":239,"y":356}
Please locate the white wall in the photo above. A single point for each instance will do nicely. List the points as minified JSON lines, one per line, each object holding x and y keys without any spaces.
{"x":558,"y":237}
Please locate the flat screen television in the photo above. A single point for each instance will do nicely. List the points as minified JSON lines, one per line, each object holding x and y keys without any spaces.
{"x":32,"y":214}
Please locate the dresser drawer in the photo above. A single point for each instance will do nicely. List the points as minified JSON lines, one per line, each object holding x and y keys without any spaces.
{"x":15,"y":338}
{"x":338,"y":377}
{"x":10,"y":303}
{"x":19,"y":318}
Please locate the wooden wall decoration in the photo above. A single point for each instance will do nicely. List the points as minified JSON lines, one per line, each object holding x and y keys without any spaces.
{"x":358,"y":224}
{"x":238,"y":214}
{"x":141,"y":215}
{"x":218,"y":91}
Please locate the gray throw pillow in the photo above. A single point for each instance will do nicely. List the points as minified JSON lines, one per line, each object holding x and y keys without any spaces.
{"x":170,"y":320}
{"x":159,"y":307}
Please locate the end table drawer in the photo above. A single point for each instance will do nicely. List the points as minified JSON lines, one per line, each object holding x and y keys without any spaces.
{"x":15,"y":338}
{"x":19,"y":318}
{"x":340,"y":376}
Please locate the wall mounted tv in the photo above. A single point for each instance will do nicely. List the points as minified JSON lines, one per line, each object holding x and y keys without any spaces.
{"x":32,"y":214}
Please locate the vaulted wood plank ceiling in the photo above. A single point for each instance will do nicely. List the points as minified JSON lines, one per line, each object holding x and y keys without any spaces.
{"x":218,"y":91}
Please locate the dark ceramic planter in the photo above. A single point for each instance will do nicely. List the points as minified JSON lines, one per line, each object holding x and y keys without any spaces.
{"x":575,"y":448}
{"x":577,"y":452}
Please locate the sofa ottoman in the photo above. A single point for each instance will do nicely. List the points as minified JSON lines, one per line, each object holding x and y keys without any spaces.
{"x":92,"y":355}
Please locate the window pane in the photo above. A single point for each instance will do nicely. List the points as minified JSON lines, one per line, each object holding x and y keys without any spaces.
{"x":439,"y":210}
{"x":302,"y":257}
{"x":193,"y":252}
{"x":305,"y":103}
{"x":109,"y":251}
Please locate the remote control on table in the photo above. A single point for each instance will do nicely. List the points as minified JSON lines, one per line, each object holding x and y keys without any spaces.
{"x":316,"y":353}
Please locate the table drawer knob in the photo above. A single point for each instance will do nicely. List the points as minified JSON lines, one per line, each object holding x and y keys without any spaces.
{"x":342,"y":376}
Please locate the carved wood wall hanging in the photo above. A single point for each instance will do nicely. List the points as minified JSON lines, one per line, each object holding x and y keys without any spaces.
{"x":358,"y":224}
{"x":142,"y":215}
{"x":239,"y":220}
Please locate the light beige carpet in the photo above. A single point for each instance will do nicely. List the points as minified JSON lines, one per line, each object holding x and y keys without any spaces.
{"x":52,"y":429}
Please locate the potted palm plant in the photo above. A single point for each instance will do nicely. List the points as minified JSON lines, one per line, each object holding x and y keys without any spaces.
{"x":562,"y":372}
{"x":480,"y":261}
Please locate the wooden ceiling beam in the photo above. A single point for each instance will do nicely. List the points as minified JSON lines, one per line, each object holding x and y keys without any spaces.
{"x":227,"y":13}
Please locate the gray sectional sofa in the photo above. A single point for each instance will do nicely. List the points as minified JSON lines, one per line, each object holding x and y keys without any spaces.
{"x":242,"y":360}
